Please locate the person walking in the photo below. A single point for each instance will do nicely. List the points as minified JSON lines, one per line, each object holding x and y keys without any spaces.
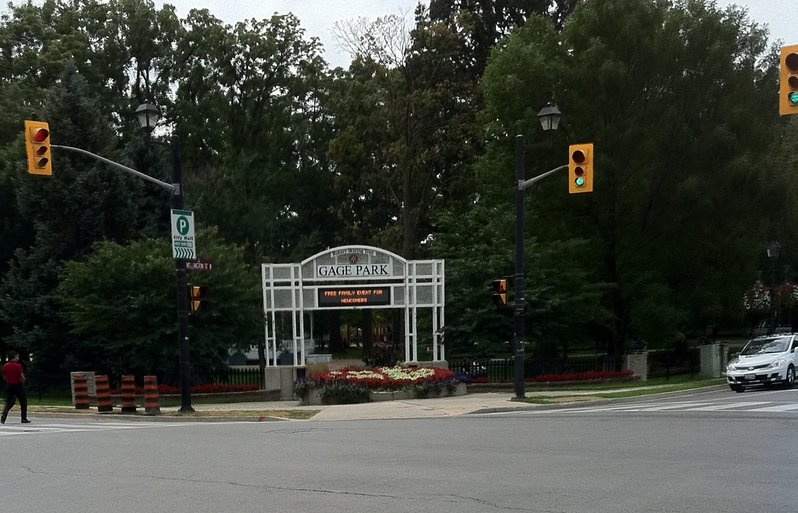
{"x":14,"y":376}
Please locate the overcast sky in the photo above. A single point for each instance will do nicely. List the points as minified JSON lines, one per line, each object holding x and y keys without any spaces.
{"x":318,"y":17}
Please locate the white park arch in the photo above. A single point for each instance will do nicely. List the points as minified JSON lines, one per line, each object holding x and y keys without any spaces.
{"x":348,"y":277}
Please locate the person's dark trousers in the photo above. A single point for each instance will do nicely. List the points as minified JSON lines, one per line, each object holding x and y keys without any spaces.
{"x":14,"y":392}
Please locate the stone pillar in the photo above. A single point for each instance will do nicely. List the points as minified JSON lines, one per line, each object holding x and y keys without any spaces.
{"x":638,"y":363}
{"x":710,"y":360}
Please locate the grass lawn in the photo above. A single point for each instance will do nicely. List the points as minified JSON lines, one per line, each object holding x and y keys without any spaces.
{"x":625,"y":389}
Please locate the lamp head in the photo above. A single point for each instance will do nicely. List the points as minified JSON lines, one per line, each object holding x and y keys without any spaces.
{"x":148,"y":115}
{"x":549,"y":117}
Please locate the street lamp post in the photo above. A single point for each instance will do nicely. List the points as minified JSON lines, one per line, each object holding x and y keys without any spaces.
{"x":549,"y":117}
{"x":772,"y":251}
{"x":148,"y":117}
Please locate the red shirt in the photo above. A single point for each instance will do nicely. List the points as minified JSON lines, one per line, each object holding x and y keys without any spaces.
{"x":12,"y":372}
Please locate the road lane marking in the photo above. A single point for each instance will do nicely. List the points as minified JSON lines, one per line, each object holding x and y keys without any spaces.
{"x":778,"y":408}
{"x":728,"y":406}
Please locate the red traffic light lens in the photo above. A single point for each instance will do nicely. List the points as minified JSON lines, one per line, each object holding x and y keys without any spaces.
{"x":578,"y":156}
{"x":40,"y":135}
{"x":792,"y":62}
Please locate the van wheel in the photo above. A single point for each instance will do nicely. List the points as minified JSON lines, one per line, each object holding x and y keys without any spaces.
{"x":737,"y":388}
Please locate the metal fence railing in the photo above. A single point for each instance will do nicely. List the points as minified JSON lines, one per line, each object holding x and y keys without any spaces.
{"x":502,"y":370}
{"x":42,"y":385}
{"x":249,"y":375}
{"x":661,"y":363}
{"x":669,"y":362}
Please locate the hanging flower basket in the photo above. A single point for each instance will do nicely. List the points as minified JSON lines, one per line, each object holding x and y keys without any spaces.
{"x":757,"y":299}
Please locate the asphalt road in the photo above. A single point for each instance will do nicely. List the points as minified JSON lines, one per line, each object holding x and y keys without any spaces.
{"x":692,"y":452}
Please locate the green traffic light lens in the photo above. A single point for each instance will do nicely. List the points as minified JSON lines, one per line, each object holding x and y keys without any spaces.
{"x":792,"y":97}
{"x":580,"y":181}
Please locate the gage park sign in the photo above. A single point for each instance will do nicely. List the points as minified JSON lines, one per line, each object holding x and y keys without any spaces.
{"x":343,"y":271}
{"x":353,"y":277}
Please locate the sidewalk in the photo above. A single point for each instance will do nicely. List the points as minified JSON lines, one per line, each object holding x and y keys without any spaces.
{"x":480,"y":402}
{"x":403,"y":409}
{"x":471,"y":403}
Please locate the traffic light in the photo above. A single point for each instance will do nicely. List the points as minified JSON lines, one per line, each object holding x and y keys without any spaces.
{"x":37,"y":146}
{"x":196,"y":292}
{"x":788,"y":80}
{"x":580,"y":168}
{"x":500,"y":292}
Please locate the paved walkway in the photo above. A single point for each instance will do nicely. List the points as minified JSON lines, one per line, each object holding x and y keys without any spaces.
{"x":480,"y":402}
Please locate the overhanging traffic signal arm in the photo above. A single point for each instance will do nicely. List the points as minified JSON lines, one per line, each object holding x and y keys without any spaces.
{"x":580,"y":168}
{"x":500,"y":292}
{"x":788,"y":80}
{"x":37,"y":146}
{"x":196,"y":292}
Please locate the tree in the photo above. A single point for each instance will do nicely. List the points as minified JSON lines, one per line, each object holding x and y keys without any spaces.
{"x":81,"y":203}
{"x":120,"y":301}
{"x":408,"y":100}
{"x":675,"y":98}
{"x":483,"y":24}
{"x":250,"y":108}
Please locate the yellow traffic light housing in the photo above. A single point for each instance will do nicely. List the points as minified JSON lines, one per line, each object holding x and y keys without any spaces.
{"x":196,"y":297}
{"x":788,"y":80}
{"x":37,"y":146}
{"x":580,"y":168}
{"x":500,"y":292}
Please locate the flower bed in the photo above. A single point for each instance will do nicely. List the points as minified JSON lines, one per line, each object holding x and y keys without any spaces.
{"x":561,"y":378}
{"x":348,"y":386}
{"x":585,"y":376}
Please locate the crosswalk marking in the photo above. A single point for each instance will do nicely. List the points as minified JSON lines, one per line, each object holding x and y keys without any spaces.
{"x":778,"y":407}
{"x":728,"y":406}
{"x":670,"y":406}
{"x":674,"y":406}
{"x":37,"y":428}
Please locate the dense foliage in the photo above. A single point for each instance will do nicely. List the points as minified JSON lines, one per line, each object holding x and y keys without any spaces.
{"x":409,"y":149}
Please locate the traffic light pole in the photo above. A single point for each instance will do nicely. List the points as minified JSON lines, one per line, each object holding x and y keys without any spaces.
{"x":518,"y":279}
{"x":182,"y":291}
{"x":177,"y":202}
{"x":117,"y":165}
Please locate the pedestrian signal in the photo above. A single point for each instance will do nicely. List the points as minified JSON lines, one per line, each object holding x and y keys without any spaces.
{"x":197,"y":292}
{"x":500,"y":292}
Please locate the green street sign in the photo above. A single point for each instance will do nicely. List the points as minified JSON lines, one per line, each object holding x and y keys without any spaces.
{"x":183,"y":234}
